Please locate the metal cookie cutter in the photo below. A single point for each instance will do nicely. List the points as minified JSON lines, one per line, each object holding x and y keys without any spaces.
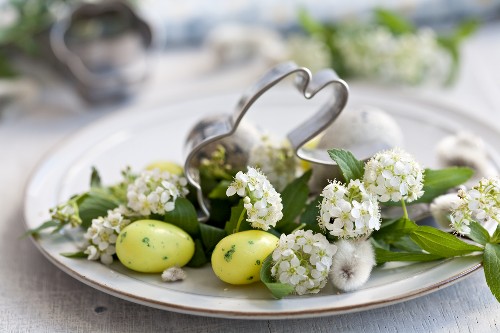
{"x":225,"y":126}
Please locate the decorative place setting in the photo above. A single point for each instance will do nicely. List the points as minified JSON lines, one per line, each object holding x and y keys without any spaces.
{"x":375,"y":198}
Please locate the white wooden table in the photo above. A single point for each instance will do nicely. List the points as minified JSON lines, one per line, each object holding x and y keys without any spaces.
{"x":36,"y":296}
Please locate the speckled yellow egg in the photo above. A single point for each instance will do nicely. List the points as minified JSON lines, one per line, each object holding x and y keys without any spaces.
{"x":237,"y":258}
{"x":151,"y":246}
{"x":170,"y":167}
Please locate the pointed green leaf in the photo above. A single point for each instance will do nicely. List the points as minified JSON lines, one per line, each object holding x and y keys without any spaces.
{"x":93,"y":204}
{"x":478,"y":233}
{"x":211,"y":235}
{"x":78,"y":254}
{"x":496,"y":235}
{"x":184,"y":216}
{"x":309,"y":24}
{"x":437,"y":182}
{"x":395,"y":23}
{"x":491,"y":262}
{"x":199,"y":258}
{"x":310,"y":215}
{"x":238,"y":216}
{"x":219,"y":191}
{"x":441,"y":243}
{"x":350,"y":166}
{"x":394,"y":230}
{"x":279,"y":290}
{"x":95,"y":178}
{"x":294,"y":198}
{"x":383,"y":256}
{"x":45,"y":225}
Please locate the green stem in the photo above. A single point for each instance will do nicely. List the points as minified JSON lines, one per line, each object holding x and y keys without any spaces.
{"x":405,"y":212}
{"x":242,"y":215}
{"x":301,"y":226}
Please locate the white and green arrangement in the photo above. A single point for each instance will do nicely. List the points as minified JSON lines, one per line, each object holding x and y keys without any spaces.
{"x":266,"y":225}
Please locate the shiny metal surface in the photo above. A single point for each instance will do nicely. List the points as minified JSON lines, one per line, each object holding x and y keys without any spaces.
{"x":209,"y":132}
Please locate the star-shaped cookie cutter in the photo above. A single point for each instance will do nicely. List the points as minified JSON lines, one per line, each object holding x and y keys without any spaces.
{"x":307,"y":84}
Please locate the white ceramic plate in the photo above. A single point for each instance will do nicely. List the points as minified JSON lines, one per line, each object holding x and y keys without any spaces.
{"x":138,"y":137}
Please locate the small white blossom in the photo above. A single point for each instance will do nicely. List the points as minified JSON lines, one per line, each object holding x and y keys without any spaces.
{"x":352,"y":264}
{"x":261,"y":201}
{"x":376,"y":53}
{"x":276,"y":160}
{"x":348,"y":212}
{"x":102,"y":234}
{"x":155,"y":192}
{"x":173,"y":274}
{"x":481,"y":203}
{"x":394,"y":175}
{"x":303,"y":259}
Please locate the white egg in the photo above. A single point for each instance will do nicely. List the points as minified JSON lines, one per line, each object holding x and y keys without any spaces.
{"x":363,"y":131}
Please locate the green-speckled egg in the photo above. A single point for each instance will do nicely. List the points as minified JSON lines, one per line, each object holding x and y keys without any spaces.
{"x":152,"y":246}
{"x":167,"y":166}
{"x":237,"y":258}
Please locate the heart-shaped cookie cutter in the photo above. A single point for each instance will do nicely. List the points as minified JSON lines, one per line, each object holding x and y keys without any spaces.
{"x":307,"y":84}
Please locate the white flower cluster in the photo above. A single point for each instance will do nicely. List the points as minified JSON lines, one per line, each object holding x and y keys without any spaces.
{"x":308,"y":52}
{"x":481,"y":203}
{"x":155,"y":192}
{"x":348,"y":212}
{"x":261,"y":201}
{"x":276,"y":160}
{"x":303,"y":260}
{"x":394,"y":175}
{"x":407,"y":58}
{"x":102,"y":234}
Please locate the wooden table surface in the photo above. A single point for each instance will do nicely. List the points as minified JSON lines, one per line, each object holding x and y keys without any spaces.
{"x":36,"y":296}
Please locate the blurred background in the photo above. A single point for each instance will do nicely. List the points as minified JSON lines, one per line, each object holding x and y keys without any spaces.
{"x":63,"y":60}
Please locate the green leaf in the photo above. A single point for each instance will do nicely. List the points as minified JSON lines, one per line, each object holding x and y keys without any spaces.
{"x":238,"y":216}
{"x":210,"y":236}
{"x":397,"y":24}
{"x":310,"y":215}
{"x":441,"y":243}
{"x":279,"y":290}
{"x":294,"y":198}
{"x":219,"y":191}
{"x":437,"y":182}
{"x":392,"y":232}
{"x":405,"y":243}
{"x":184,"y":216}
{"x":199,"y":258}
{"x":465,"y":29}
{"x":93,"y":204}
{"x":496,"y":236}
{"x":449,"y":45}
{"x":309,"y":24}
{"x":95,"y":178}
{"x":6,"y":69}
{"x":478,"y":233}
{"x":45,"y":225}
{"x":379,"y":244}
{"x":383,"y":256}
{"x":78,"y":254}
{"x":491,"y":262}
{"x":350,"y":166}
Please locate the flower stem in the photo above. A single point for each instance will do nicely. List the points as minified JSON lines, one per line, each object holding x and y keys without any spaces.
{"x":301,"y":226}
{"x":242,"y":216}
{"x":405,"y":212}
